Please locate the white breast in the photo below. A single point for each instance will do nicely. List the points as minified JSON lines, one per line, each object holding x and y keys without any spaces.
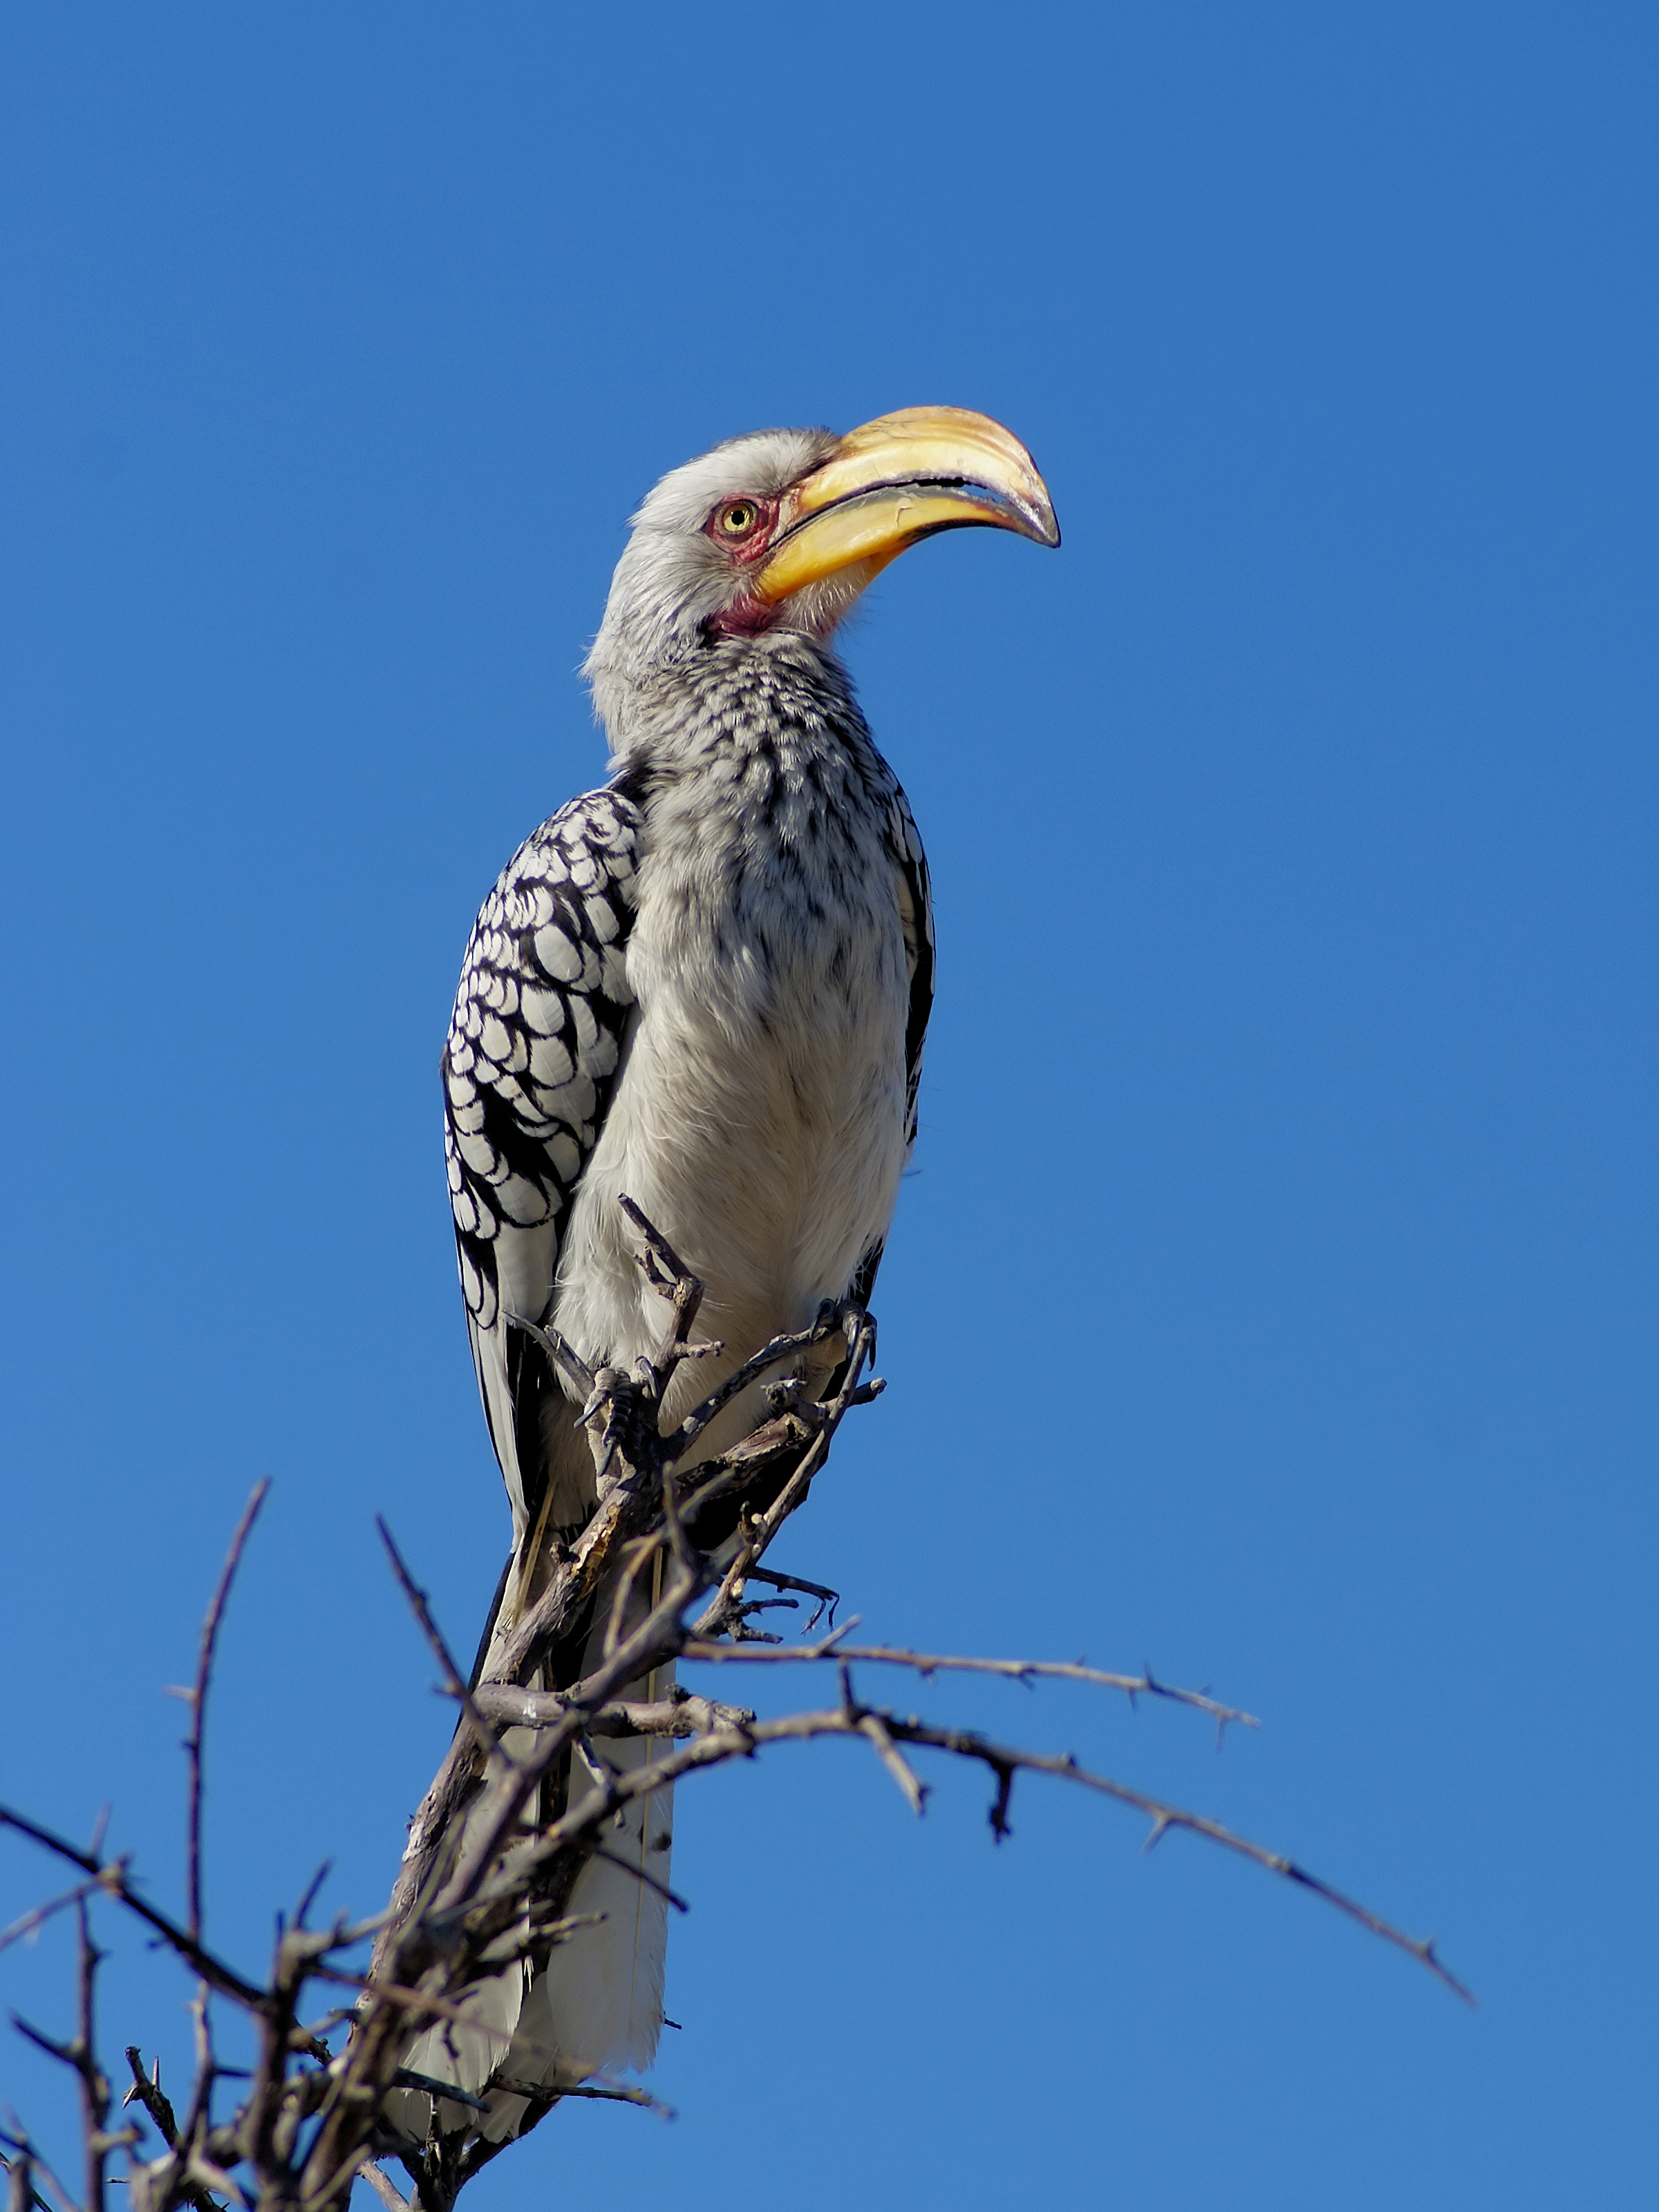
{"x":759,"y":1116}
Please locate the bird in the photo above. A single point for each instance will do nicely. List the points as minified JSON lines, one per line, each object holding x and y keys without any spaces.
{"x":702,"y":988}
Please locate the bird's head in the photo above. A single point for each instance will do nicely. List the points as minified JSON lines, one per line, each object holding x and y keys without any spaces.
{"x":778,"y":533}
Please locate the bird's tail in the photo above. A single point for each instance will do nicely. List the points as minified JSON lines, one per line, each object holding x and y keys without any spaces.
{"x":596,"y":2006}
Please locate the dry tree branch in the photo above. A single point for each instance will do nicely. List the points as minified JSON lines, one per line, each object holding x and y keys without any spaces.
{"x":112,"y":1877}
{"x":22,"y":2195}
{"x":389,"y":2194}
{"x":679,"y":1715}
{"x":146,"y":2091}
{"x":928,"y":1663}
{"x":80,"y":2054}
{"x":454,"y":1682}
{"x":610,"y":2093}
{"x":853,"y":1718}
{"x":197,"y":1698}
{"x":30,"y":1923}
{"x":83,"y":2054}
{"x":477,"y":1892}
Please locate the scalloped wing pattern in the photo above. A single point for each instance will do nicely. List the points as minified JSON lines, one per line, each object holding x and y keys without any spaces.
{"x":532,"y":1053}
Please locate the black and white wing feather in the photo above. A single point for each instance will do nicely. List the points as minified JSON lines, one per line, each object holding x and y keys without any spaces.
{"x":532,"y":1052}
{"x":916,"y":908}
{"x":916,"y":917}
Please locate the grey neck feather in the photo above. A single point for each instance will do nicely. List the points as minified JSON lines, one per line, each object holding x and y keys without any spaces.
{"x":769,"y":810}
{"x":753,"y":696}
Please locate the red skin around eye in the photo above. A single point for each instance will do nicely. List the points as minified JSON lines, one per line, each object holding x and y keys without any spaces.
{"x":748,"y":616}
{"x":755,"y":541}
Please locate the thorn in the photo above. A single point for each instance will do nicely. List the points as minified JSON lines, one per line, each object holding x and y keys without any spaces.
{"x":998,"y":1812}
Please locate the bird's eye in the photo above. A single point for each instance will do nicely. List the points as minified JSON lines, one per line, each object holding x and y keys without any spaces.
{"x":737,"y":517}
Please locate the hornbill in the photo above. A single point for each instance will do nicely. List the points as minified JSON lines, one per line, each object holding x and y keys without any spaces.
{"x":702,"y":987}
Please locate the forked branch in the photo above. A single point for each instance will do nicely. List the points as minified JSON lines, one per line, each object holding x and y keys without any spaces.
{"x":476,"y":1891}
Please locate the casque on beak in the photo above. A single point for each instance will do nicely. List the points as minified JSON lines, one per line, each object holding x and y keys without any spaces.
{"x":903,"y":477}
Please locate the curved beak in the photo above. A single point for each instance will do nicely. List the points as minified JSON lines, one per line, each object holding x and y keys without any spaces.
{"x":900,"y":478}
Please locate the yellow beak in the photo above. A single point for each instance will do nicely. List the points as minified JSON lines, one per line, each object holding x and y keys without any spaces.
{"x":900,"y":478}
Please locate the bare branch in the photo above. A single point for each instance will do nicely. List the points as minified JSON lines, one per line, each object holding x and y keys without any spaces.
{"x":146,"y":2091}
{"x":846,"y":1720}
{"x":93,"y":2083}
{"x":30,"y":1923}
{"x":112,"y":1877}
{"x":427,"y":2002}
{"x":913,"y":1792}
{"x":678,"y":1716}
{"x":644,"y":1877}
{"x":28,"y":2157}
{"x":501,"y":1837}
{"x":770,"y":1355}
{"x":22,"y":2195}
{"x":80,"y":2054}
{"x":759,"y":1529}
{"x":197,"y":1698}
{"x":454,"y":1681}
{"x":607,"y":2093}
{"x":392,"y":2197}
{"x":928,"y":1663}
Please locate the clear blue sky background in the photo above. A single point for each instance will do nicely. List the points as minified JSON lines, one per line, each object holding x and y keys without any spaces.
{"x":1275,"y":1297}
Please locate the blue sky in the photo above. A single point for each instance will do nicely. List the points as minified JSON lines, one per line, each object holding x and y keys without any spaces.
{"x":1274,"y":1299}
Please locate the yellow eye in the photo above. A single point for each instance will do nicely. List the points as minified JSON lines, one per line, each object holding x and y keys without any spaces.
{"x":738,"y":517}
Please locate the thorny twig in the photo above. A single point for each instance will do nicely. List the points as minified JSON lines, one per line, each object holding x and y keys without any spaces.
{"x":80,"y":2054}
{"x":112,"y":1875}
{"x":928,"y":1663}
{"x":21,"y":2167}
{"x":197,"y":1698}
{"x":30,"y":1923}
{"x":479,"y":1890}
{"x":853,"y":1718}
{"x":454,"y":1682}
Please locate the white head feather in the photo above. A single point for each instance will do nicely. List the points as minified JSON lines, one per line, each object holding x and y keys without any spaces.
{"x":674,"y":582}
